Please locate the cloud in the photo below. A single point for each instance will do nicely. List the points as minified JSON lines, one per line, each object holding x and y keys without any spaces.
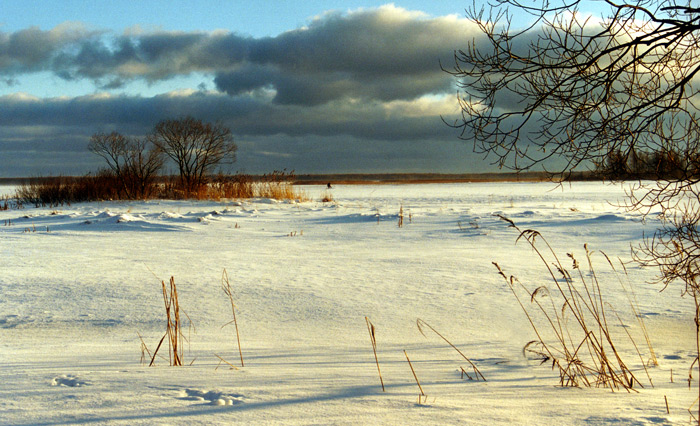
{"x":37,"y":134}
{"x":246,"y":115}
{"x":385,"y":53}
{"x":32,"y":50}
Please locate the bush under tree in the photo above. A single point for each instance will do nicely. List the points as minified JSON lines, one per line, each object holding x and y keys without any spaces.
{"x":135,"y":163}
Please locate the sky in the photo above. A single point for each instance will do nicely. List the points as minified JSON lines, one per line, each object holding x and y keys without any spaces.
{"x":312,"y":86}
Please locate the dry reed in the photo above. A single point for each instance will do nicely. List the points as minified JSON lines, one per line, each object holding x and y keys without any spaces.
{"x":221,"y":360}
{"x":144,"y":350}
{"x":373,"y":339}
{"x":586,"y":353}
{"x":226,"y":286}
{"x":420,"y":388}
{"x":478,"y":376}
{"x":173,"y":331}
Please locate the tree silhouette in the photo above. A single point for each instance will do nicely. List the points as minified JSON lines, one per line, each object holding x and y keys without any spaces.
{"x":195,"y":146}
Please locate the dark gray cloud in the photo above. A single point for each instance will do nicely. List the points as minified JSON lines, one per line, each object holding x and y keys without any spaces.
{"x":386,"y":53}
{"x":246,"y":115}
{"x":33,"y":49}
{"x":42,"y":131}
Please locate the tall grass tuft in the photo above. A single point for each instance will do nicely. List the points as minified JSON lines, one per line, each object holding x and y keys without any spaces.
{"x":173,"y":331}
{"x":575,"y":338}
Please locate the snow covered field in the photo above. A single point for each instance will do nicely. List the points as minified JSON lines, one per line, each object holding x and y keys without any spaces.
{"x":79,"y":283}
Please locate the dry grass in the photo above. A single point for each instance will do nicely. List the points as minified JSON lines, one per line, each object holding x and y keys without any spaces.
{"x":422,"y":396}
{"x":55,"y":191}
{"x":174,"y":330}
{"x":144,"y":350}
{"x":477,"y":374}
{"x":373,"y":339}
{"x":226,"y":286}
{"x":221,"y":360}
{"x":276,"y":185}
{"x":571,"y":321}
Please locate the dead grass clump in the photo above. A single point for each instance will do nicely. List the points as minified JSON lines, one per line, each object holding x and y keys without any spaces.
{"x":571,"y":321}
{"x":279,"y":186}
{"x":233,"y":186}
{"x":326,"y":197}
{"x":56,"y":191}
{"x":59,"y":190}
{"x":7,"y":203}
{"x":174,"y":329}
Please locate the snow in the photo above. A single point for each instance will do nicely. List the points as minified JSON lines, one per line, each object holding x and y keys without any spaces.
{"x":79,"y":283}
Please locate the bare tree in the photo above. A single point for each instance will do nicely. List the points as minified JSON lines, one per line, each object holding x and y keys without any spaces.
{"x":576,"y":88}
{"x":195,"y":146}
{"x":134,"y":162}
{"x":572,"y":90}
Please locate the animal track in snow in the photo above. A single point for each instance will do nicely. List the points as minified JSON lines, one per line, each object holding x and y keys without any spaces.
{"x":211,"y":397}
{"x":68,"y":380}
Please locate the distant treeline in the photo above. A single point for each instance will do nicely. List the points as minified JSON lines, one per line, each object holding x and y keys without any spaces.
{"x":667,"y":163}
{"x":366,"y":178}
{"x":370,"y":178}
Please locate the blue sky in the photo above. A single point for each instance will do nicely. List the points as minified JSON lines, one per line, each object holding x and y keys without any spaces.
{"x":256,"y":18}
{"x":313,"y":86}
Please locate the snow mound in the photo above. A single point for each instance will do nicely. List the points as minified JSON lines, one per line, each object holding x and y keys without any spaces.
{"x":103,"y":214}
{"x":128,"y":218}
{"x":211,"y":397}
{"x":170,"y":215}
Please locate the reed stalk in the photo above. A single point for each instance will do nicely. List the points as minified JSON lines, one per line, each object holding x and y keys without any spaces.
{"x":373,"y":339}
{"x":226,"y":286}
